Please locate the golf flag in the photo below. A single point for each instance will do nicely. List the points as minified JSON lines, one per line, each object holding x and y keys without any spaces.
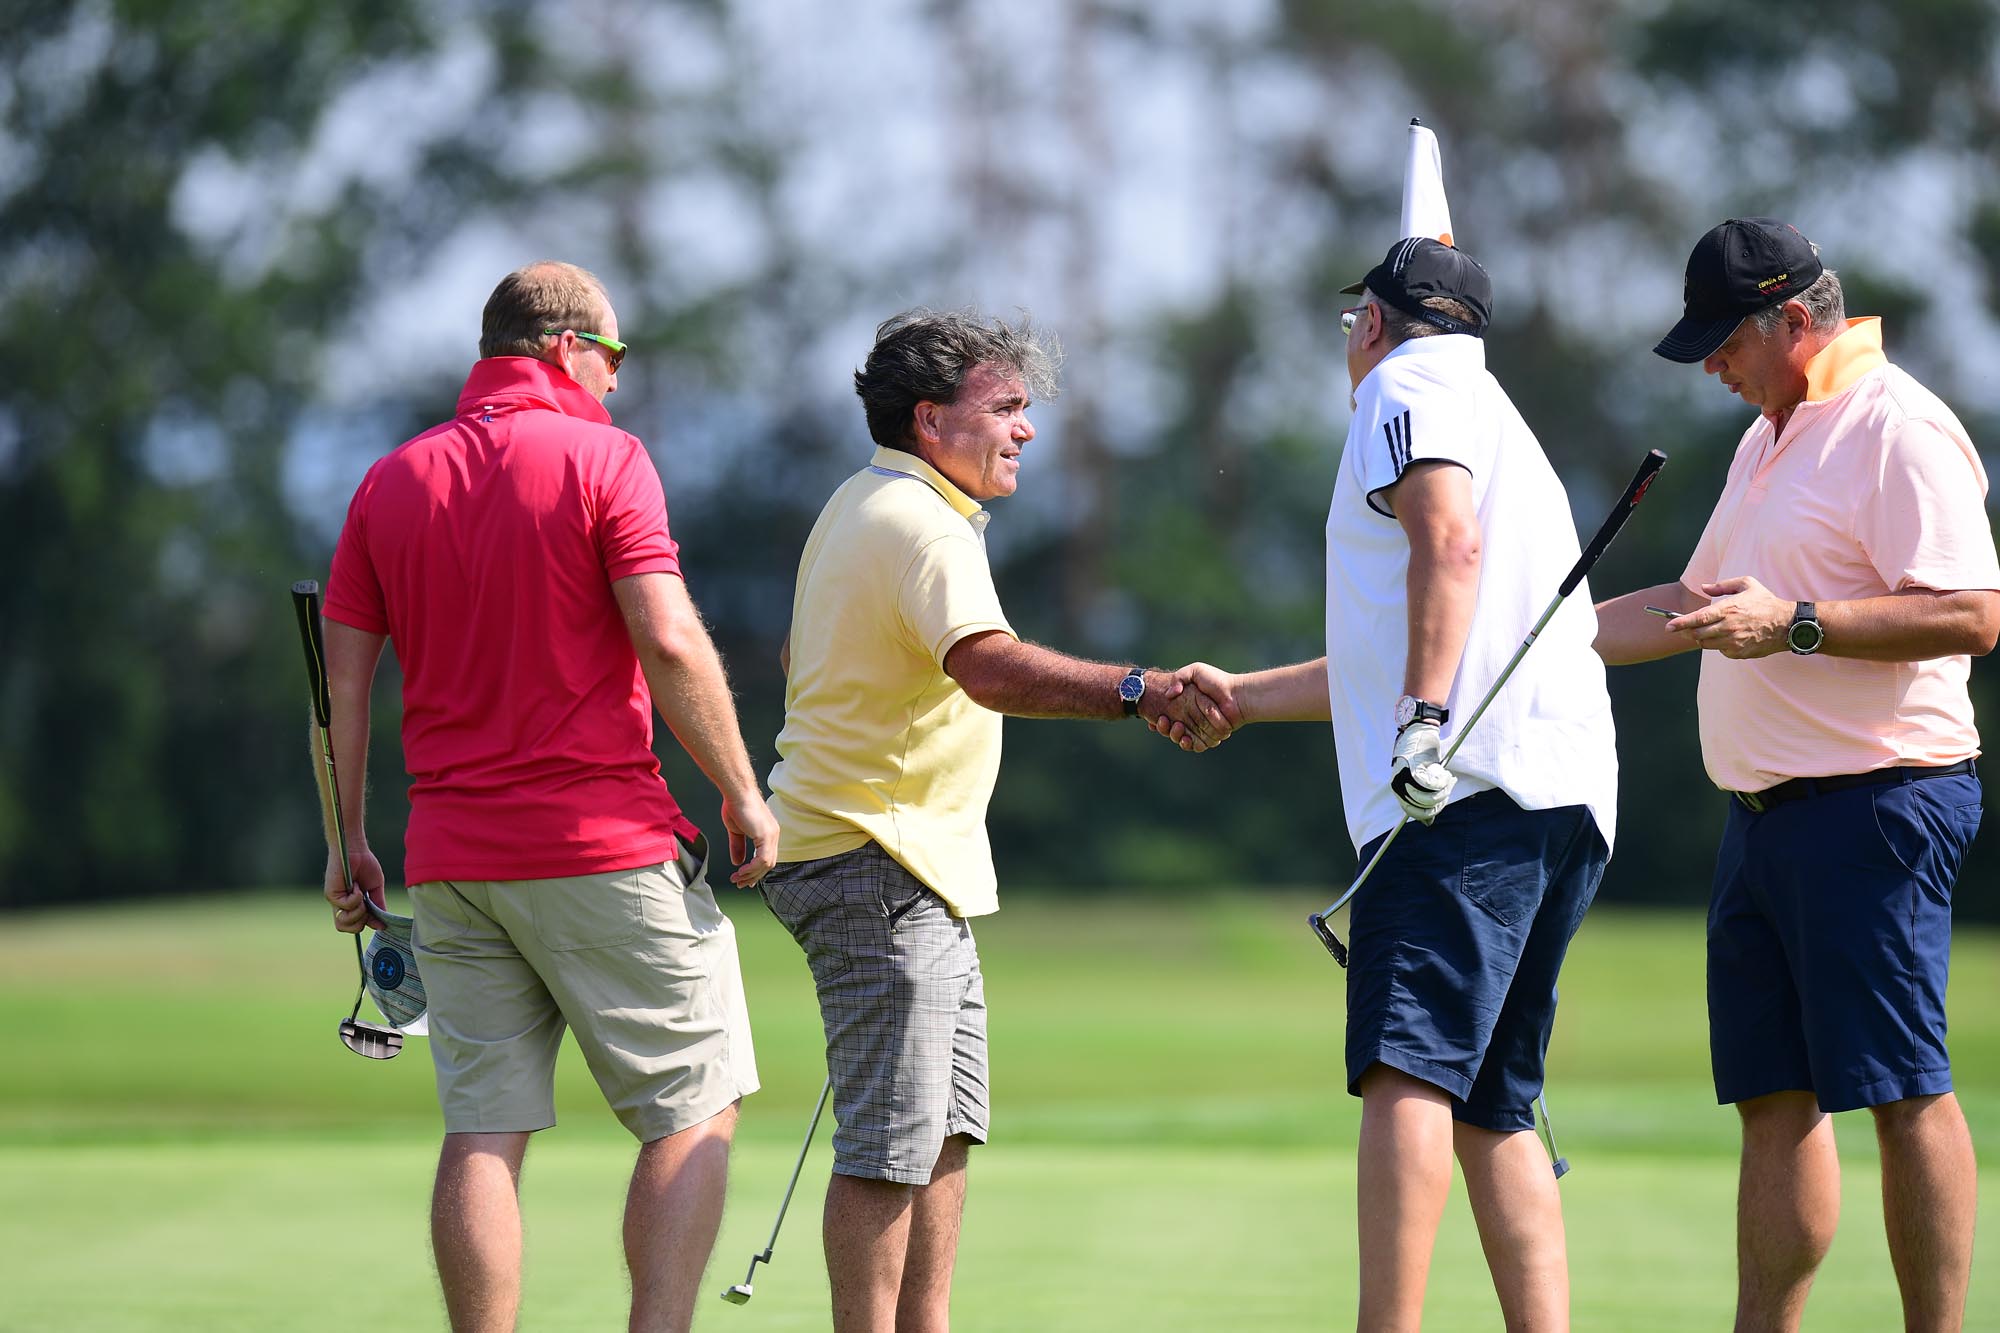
{"x":1425,"y":212}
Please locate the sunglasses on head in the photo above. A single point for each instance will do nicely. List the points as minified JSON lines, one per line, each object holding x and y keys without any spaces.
{"x":614,"y":351}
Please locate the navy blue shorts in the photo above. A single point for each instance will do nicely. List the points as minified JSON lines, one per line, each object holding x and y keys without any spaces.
{"x":1829,"y":941}
{"x":1458,"y":937}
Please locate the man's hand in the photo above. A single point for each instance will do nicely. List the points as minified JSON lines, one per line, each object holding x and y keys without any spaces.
{"x":350,"y":908}
{"x":1180,"y":709}
{"x":1208,"y":691}
{"x":753,"y":839}
{"x":1417,"y":775}
{"x":1744,"y":619}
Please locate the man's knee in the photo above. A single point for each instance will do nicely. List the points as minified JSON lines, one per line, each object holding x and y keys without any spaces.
{"x":1913,"y":1116}
{"x":1780,"y":1114}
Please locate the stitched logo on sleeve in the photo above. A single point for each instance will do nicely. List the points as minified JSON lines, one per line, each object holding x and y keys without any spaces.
{"x":1397,"y":429}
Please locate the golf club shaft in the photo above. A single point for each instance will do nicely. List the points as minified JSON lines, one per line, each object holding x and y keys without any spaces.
{"x":1450,"y":750}
{"x":797,"y":1167}
{"x":1635,"y":491}
{"x":305,"y":600}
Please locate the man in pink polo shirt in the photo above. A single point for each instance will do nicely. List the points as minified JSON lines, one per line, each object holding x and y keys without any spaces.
{"x":518,"y":556}
{"x":1844,"y":581}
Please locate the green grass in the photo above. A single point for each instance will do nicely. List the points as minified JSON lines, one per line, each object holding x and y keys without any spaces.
{"x":184,"y":1144}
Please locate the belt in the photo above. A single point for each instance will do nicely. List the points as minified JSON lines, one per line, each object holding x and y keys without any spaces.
{"x":1792,"y":789}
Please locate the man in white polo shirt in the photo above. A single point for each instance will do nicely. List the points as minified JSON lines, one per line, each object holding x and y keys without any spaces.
{"x":1448,"y":533}
{"x":899,"y":665}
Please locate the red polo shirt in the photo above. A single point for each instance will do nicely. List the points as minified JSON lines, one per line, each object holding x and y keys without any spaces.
{"x":485,"y":549}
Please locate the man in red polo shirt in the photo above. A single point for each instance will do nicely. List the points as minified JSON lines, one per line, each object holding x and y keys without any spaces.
{"x":519,"y":558}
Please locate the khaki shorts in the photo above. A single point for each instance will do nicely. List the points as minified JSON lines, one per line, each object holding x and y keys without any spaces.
{"x":640,"y":963}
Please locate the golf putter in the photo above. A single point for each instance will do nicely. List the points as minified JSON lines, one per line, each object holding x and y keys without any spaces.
{"x":357,"y":1034}
{"x":740,"y":1293}
{"x":1635,"y":491}
{"x":1548,"y":1128}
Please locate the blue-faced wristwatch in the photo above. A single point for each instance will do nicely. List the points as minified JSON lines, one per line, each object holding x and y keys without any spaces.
{"x":1132,"y":689}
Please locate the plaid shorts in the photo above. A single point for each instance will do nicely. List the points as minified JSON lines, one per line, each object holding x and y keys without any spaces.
{"x":903,"y":1004}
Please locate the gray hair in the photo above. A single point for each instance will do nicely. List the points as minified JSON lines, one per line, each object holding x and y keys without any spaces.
{"x":926,"y":355}
{"x":1402,"y":327}
{"x":1823,"y":301}
{"x":547,"y":294}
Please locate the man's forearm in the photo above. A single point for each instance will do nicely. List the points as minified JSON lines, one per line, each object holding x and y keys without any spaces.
{"x":1627,"y":632}
{"x":691,"y":691}
{"x":1296,"y":693}
{"x":1910,"y":626}
{"x":351,"y":659}
{"x":1000,"y":672}
{"x":1443,"y":589}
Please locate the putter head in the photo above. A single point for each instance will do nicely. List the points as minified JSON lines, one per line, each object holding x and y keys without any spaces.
{"x":1561,"y":1167}
{"x":1327,"y":937}
{"x":370,"y":1039}
{"x":738,"y":1294}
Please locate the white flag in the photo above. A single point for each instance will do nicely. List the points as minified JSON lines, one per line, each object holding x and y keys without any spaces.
{"x":1425,"y":212}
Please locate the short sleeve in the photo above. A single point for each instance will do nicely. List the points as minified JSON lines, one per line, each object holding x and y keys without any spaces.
{"x":1925,"y":525}
{"x":947,"y":594}
{"x":632,"y":536}
{"x":1414,"y":419}
{"x":353,"y":588}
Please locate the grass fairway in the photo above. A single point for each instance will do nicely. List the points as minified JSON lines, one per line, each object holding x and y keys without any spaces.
{"x":184,"y":1144}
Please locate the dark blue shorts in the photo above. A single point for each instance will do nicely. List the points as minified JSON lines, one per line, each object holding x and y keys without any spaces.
{"x":1458,"y":937}
{"x":1829,"y":941}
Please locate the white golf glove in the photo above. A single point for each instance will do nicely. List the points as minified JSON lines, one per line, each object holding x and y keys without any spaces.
{"x":1417,"y":776}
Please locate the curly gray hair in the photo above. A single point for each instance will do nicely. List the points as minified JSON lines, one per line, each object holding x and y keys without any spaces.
{"x":925,"y":355}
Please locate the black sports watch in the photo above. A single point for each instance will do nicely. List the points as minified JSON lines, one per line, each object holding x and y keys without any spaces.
{"x":1410,"y":709}
{"x":1806,"y":634}
{"x":1132,"y":689}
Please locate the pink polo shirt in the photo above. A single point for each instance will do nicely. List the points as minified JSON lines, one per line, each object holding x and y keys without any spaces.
{"x":1873,"y":488}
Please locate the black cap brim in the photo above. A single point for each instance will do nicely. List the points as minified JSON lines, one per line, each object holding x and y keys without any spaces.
{"x":1694,"y":340}
{"x":1356,"y":289}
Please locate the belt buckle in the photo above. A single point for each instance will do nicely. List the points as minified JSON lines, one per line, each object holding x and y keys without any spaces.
{"x":1751,"y":801}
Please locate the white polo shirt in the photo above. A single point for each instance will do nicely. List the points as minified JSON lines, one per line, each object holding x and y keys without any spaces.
{"x":1547,"y":740}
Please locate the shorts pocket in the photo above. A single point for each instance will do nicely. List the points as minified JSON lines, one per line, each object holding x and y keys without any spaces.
{"x":828,"y":927}
{"x":593,"y":912}
{"x":441,"y":913}
{"x":1506,"y":884}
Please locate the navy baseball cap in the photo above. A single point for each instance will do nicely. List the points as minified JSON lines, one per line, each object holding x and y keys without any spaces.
{"x":1419,"y":267}
{"x":1736,"y":270}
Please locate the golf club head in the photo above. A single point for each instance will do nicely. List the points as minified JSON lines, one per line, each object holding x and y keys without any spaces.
{"x":738,"y":1294}
{"x":1561,"y":1167}
{"x":370,"y":1039}
{"x":1328,"y":938}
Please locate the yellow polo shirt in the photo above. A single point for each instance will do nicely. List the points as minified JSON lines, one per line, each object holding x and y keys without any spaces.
{"x":879,"y":743}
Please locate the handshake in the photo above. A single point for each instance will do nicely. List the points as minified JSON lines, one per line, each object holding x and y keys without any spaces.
{"x":1200,"y":706}
{"x":1196,"y":707}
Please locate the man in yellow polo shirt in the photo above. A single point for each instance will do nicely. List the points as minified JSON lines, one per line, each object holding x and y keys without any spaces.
{"x":900,"y":663}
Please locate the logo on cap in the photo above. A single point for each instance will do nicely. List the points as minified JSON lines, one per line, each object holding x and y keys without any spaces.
{"x":388,"y":968}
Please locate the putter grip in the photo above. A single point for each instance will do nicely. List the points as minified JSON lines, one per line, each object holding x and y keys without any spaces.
{"x":1642,"y":480}
{"x":305,"y":600}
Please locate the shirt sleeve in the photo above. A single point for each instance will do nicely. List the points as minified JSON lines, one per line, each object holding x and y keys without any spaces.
{"x":1705,"y":565}
{"x":1925,"y":525}
{"x":1414,"y":419}
{"x":947,"y":594}
{"x":632,"y":536}
{"x":353,"y":588}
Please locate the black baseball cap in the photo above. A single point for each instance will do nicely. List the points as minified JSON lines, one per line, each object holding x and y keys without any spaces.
{"x":1736,"y":270}
{"x":1419,"y":267}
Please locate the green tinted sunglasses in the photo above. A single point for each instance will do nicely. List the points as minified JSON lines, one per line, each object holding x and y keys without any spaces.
{"x":614,"y":351}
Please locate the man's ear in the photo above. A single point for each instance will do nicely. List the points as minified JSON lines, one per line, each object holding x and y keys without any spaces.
{"x":924,"y":422}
